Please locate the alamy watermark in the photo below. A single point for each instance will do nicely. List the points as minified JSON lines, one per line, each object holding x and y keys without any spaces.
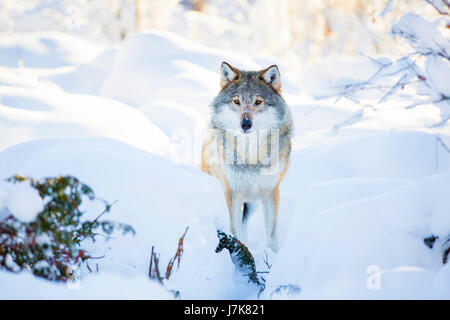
{"x":258,"y":148}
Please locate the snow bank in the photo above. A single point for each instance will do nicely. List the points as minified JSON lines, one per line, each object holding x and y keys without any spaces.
{"x":336,"y":244}
{"x":363,"y":203}
{"x":158,"y":198}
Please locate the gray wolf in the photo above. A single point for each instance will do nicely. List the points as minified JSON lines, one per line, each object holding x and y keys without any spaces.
{"x":248,"y":145}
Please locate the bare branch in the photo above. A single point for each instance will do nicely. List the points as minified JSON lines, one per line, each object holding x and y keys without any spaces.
{"x":177,"y":256}
{"x":441,"y":6}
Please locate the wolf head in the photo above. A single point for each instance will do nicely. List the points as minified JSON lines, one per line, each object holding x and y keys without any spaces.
{"x":249,"y":101}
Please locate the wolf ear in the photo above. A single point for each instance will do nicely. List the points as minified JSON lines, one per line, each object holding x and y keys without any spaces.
{"x":271,"y":76}
{"x":228,"y":74}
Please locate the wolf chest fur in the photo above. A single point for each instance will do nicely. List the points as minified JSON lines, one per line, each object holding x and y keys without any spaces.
{"x":248,"y":145}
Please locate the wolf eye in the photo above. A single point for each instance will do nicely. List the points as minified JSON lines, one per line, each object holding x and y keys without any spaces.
{"x":236,"y":101}
{"x":258,"y":102}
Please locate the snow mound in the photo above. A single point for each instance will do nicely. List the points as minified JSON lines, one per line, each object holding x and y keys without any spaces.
{"x":47,"y":111}
{"x":155,"y":65}
{"x":45,"y":50}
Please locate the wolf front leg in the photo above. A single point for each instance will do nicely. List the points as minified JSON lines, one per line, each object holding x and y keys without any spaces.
{"x":235,"y":209}
{"x":270,"y":206}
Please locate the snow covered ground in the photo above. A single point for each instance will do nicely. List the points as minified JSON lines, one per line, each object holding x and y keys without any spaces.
{"x":366,"y":183}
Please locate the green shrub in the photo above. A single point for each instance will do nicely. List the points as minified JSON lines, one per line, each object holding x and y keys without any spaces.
{"x":50,"y":245}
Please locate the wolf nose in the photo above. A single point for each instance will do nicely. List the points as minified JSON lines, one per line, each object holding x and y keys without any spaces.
{"x":246,"y":124}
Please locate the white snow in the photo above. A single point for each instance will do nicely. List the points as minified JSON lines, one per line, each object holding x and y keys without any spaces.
{"x":367,"y":182}
{"x":37,"y":112}
{"x":24,"y":202}
{"x":106,"y":285}
{"x":45,"y":50}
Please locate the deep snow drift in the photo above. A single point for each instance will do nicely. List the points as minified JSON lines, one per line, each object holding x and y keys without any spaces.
{"x":365,"y":186}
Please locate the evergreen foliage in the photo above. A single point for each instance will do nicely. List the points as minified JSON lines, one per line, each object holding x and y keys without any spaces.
{"x":50,"y":245}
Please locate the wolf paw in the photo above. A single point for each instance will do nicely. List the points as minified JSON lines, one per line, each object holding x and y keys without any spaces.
{"x":272,"y":243}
